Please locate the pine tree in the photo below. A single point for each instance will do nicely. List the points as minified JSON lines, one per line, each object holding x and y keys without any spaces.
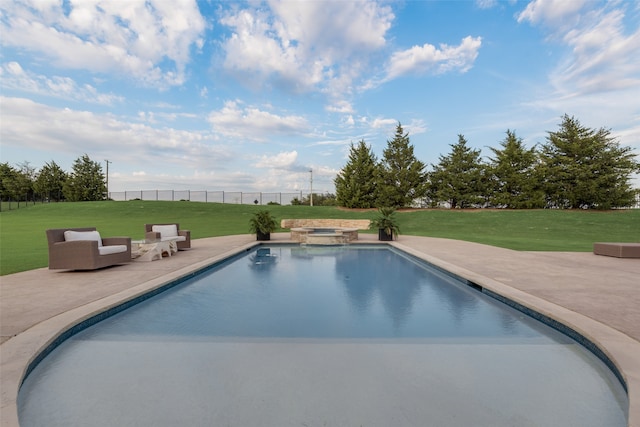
{"x":50,"y":181}
{"x":401,"y":177}
{"x":459,"y":179}
{"x":16,"y":183}
{"x":86,"y":182}
{"x":515,"y":177}
{"x":587,"y":168}
{"x":355,"y":184}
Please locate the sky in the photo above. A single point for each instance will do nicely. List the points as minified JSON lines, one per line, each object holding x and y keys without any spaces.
{"x":269,"y":95}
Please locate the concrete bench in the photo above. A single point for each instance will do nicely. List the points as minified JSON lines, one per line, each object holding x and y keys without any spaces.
{"x":360,"y":224}
{"x":618,"y":250}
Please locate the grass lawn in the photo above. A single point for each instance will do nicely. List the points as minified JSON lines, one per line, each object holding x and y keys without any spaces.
{"x":23,"y":244}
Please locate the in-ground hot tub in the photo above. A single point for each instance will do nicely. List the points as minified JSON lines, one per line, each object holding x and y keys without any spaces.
{"x":324,"y":236}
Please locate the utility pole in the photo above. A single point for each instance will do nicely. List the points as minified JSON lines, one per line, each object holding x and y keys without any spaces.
{"x":311,"y":187}
{"x":107,"y":177}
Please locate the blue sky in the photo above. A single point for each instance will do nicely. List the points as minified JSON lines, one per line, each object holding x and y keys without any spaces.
{"x":250,"y":96}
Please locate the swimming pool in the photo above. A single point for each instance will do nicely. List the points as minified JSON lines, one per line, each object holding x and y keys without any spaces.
{"x":288,"y":335}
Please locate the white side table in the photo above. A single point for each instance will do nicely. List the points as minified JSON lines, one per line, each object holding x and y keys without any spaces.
{"x":142,"y":250}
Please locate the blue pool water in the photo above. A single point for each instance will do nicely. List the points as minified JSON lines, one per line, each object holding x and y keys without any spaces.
{"x":289,"y":335}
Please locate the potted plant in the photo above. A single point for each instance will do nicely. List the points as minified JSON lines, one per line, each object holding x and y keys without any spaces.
{"x":262,"y":224}
{"x":386,"y":224}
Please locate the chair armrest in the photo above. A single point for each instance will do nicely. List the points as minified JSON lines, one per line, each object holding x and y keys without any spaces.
{"x":187,"y":238}
{"x":152,"y":236}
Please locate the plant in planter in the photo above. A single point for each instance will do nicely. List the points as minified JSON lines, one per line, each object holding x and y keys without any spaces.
{"x":386,"y":224}
{"x":262,"y":224}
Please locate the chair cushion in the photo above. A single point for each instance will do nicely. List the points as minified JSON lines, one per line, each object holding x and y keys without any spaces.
{"x":175,"y":238}
{"x":165,"y":230}
{"x":112,"y":249}
{"x":71,"y":235}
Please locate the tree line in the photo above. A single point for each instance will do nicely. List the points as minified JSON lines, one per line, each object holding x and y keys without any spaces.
{"x":85,"y":182}
{"x":576,"y":167}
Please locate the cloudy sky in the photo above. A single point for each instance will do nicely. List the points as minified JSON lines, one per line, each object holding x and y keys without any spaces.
{"x":251,"y":96}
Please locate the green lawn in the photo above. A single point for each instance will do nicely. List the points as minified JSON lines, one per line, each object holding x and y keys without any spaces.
{"x":23,"y":243}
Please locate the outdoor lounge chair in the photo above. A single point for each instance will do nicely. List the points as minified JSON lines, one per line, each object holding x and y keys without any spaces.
{"x":84,"y":249}
{"x":155,"y":232}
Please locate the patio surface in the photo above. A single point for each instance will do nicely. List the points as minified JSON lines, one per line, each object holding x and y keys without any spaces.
{"x":597,"y":296}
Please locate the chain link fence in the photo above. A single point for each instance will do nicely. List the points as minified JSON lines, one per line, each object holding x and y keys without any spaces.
{"x":231,"y":197}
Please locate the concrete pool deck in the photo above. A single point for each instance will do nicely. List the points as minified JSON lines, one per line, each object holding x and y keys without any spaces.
{"x":595,"y":295}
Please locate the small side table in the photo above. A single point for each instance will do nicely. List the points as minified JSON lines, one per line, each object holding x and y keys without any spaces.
{"x":141,"y":250}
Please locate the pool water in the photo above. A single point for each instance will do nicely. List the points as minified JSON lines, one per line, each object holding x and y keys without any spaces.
{"x":293,"y":335}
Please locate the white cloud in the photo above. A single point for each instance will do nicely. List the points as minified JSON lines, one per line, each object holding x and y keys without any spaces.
{"x":349,"y":120}
{"x":306,"y":46}
{"x":340,"y":106}
{"x":280,"y":161}
{"x":253,"y":123}
{"x":551,"y":12}
{"x":415,"y":127}
{"x":486,"y":4}
{"x":15,"y":77}
{"x":137,"y":38}
{"x":284,"y":172}
{"x":388,"y":126}
{"x":598,"y":77}
{"x":384,"y":123}
{"x":153,"y":117}
{"x":40,"y":128}
{"x":603,"y":57}
{"x":429,"y":59}
{"x":333,"y":29}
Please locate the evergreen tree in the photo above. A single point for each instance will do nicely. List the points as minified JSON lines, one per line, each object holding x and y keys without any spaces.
{"x":401,"y":177}
{"x":50,"y":181}
{"x":16,"y":184}
{"x":587,"y":168}
{"x":515,"y":178}
{"x":86,"y":182}
{"x":8,"y":175}
{"x":355,"y":184}
{"x":459,"y":178}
